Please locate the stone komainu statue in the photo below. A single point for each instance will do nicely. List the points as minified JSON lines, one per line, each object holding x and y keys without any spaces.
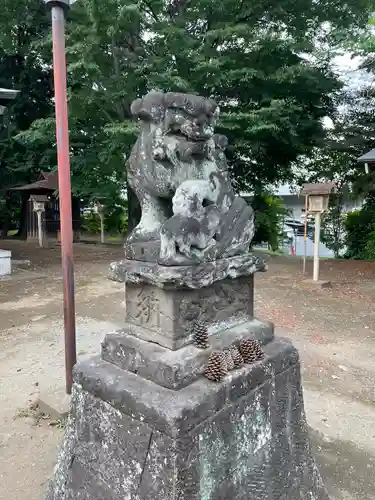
{"x":145,"y":424}
{"x":178,"y":171}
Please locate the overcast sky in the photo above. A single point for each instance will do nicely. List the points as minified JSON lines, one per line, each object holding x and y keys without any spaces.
{"x":347,"y":66}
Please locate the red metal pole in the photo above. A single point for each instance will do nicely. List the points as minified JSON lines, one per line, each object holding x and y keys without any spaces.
{"x":65,"y":197}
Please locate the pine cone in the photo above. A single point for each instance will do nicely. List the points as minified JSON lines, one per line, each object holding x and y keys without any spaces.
{"x":229,"y":359}
{"x":216,"y":367}
{"x":251,"y":350}
{"x":200,"y":335}
{"x":236,"y":356}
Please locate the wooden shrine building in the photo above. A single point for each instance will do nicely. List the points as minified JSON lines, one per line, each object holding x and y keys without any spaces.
{"x":47,"y":186}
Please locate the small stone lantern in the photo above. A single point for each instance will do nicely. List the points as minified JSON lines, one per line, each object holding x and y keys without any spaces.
{"x":100,"y":208}
{"x":39,"y":206}
{"x":318,"y":203}
{"x":318,"y":199}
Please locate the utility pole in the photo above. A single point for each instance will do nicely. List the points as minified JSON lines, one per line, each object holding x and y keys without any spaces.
{"x":58,"y":10}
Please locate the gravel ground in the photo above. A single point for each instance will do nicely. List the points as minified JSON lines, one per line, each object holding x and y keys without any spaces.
{"x":333,"y":329}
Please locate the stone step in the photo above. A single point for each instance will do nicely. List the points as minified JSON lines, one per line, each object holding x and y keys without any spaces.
{"x":175,"y":369}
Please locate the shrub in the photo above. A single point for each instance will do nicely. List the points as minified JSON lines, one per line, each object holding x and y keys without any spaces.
{"x":369,"y":250}
{"x":91,"y":223}
{"x":359,"y":226}
{"x":115,"y":221}
{"x":269,"y":215}
{"x":333,"y":225}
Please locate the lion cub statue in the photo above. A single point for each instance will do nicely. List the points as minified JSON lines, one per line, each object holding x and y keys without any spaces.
{"x":188,"y":236}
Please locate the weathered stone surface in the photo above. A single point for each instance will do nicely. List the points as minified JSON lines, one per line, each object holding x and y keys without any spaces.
{"x":208,"y":223}
{"x":167,"y":315}
{"x":175,"y":369}
{"x":108,"y":451}
{"x":144,"y":424}
{"x":178,"y":412}
{"x":199,"y":276}
{"x":179,"y":173}
{"x":187,"y":236}
{"x":129,"y":439}
{"x":116,"y":272}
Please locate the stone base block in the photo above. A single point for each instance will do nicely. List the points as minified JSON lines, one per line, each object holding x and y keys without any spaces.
{"x":175,"y":369}
{"x":196,"y":276}
{"x":246,"y":437}
{"x":166,"y":316}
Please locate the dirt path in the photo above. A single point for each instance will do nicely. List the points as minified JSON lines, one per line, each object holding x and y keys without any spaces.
{"x":31,"y":354}
{"x":333,"y":329}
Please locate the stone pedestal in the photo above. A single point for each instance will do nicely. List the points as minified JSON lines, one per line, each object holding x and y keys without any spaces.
{"x":146,"y":425}
{"x":167,"y":315}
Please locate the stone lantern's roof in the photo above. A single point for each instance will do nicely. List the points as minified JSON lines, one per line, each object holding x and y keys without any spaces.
{"x":7,"y":95}
{"x":318,"y":188}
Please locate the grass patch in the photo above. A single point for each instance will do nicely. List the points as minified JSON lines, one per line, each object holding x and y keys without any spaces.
{"x":118,"y":238}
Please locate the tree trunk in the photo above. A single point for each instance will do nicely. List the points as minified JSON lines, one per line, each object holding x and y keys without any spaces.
{"x":134,"y":210}
{"x":5,"y":225}
{"x":22,"y":228}
{"x":4,"y":228}
{"x":101,"y":217}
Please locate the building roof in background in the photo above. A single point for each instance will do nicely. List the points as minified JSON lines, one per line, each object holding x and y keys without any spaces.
{"x":283,"y":190}
{"x":370,"y":156}
{"x":48,"y":181}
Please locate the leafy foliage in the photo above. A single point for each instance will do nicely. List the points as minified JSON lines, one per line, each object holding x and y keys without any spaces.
{"x":266,"y":63}
{"x":90,"y":222}
{"x":359,"y":226}
{"x":369,"y":251}
{"x":22,"y":25}
{"x":333,"y":224}
{"x":269,"y":217}
{"x":115,"y":221}
{"x":251,"y":58}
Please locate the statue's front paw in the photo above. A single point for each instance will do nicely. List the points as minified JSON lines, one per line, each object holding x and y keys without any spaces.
{"x":142,"y":235}
{"x":178,"y":260}
{"x":210,"y":253}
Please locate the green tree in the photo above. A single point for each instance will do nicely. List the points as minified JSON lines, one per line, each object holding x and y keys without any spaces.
{"x":270,"y":214}
{"x":335,"y":159}
{"x":259,"y":61}
{"x":22,"y":25}
{"x":360,"y":226}
{"x":333,"y":224}
{"x":100,"y":86}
